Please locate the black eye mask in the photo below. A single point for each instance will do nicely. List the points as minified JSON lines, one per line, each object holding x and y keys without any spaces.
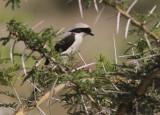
{"x":85,"y":30}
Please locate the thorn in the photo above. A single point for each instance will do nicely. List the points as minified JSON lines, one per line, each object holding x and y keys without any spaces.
{"x":12,"y":51}
{"x":84,"y":66}
{"x":152,"y":10}
{"x":38,"y":24}
{"x":98,"y":16}
{"x":95,"y":5}
{"x":127,"y":28}
{"x":118,"y":21}
{"x":23,"y":63}
{"x":149,"y":45}
{"x":60,"y":31}
{"x":81,"y":57}
{"x":80,"y":8}
{"x":41,"y":110}
{"x":115,"y":52}
{"x":131,"y":6}
{"x":17,"y":96}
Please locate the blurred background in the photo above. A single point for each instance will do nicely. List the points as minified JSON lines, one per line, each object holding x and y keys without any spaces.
{"x":63,"y":14}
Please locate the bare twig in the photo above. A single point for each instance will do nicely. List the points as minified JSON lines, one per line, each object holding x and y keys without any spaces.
{"x":80,"y":8}
{"x":131,"y":6}
{"x":118,"y":21}
{"x":12,"y":51}
{"x":127,"y":28}
{"x":134,"y":22}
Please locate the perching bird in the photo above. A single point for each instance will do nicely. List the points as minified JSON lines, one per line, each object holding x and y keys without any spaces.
{"x":71,"y":40}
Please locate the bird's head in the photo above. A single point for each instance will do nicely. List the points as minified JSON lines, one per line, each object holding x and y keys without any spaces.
{"x":81,"y":28}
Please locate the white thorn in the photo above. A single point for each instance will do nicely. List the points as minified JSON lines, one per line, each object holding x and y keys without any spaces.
{"x":38,"y":24}
{"x":115,"y":52}
{"x":12,"y":51}
{"x":127,"y":28}
{"x":80,"y":8}
{"x":149,"y":45}
{"x":152,"y":10}
{"x":131,"y":6}
{"x":98,"y":16}
{"x":23,"y":63}
{"x":118,"y":21}
{"x":17,"y":96}
{"x":95,"y":5}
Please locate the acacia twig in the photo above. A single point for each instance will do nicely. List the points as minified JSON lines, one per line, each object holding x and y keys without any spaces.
{"x":22,"y":110}
{"x":134,"y":22}
{"x":131,"y":6}
{"x":140,"y":90}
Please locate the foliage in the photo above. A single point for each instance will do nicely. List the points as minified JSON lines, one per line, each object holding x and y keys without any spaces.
{"x":106,"y":89}
{"x":14,"y":3}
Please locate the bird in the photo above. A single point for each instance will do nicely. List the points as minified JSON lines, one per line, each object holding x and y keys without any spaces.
{"x":71,"y":41}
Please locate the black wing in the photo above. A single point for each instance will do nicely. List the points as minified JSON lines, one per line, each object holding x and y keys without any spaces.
{"x":65,"y":43}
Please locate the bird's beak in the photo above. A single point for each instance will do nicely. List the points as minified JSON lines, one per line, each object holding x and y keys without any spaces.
{"x":91,"y":34}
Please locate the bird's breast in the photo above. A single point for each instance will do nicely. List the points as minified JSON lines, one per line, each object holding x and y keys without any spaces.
{"x":73,"y":48}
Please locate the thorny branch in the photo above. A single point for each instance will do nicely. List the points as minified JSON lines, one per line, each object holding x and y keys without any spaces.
{"x":133,"y":21}
{"x":124,"y":107}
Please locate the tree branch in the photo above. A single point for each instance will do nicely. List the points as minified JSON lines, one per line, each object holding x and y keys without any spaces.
{"x":133,"y":21}
{"x":24,"y":111}
{"x":125,"y":107}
